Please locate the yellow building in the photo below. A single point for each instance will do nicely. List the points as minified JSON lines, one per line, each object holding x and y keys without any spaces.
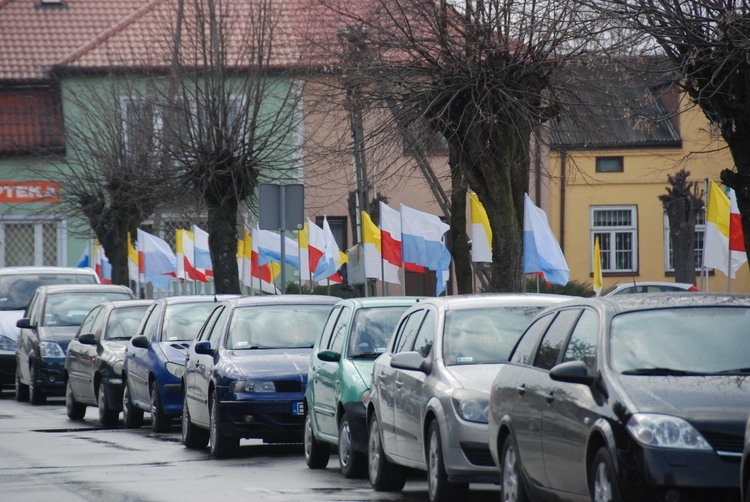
{"x":606,"y":181}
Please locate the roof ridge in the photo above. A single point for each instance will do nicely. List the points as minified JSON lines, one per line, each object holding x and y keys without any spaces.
{"x":115,"y":28}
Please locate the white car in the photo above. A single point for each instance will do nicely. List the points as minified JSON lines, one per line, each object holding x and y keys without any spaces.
{"x":627,"y":288}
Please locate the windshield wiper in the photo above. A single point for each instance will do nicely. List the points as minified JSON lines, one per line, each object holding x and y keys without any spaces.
{"x":660,"y":371}
{"x":738,"y":371}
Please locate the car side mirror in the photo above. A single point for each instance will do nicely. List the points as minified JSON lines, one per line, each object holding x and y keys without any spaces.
{"x":571,"y":372}
{"x":87,"y":339}
{"x":412,"y":361}
{"x":139,"y":341}
{"x":24,"y":323}
{"x":203,"y":348}
{"x":329,"y":356}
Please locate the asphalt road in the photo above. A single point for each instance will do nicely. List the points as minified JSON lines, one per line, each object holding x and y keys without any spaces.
{"x":44,"y":456}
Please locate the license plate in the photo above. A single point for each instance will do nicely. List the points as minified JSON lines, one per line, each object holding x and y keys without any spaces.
{"x":298,"y":408}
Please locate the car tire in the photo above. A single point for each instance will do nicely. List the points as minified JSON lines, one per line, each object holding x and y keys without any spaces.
{"x":439,"y":488}
{"x":221,"y":446}
{"x":353,"y":463}
{"x":160,"y":422}
{"x":317,"y":454}
{"x":36,"y":395}
{"x":512,"y":488}
{"x":603,"y":478}
{"x":74,"y":409}
{"x":107,"y":416}
{"x":22,"y":390}
{"x":132,"y":417}
{"x":384,"y":475}
{"x":193,"y":437}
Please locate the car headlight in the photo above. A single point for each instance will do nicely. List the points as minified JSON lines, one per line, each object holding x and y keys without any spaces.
{"x":7,"y":344}
{"x":176,"y":369}
{"x":471,"y":406}
{"x":665,"y":431}
{"x":51,"y":349}
{"x":252,"y":386}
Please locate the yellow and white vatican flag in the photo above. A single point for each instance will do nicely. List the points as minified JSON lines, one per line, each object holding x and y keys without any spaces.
{"x":723,"y":247}
{"x":597,"y":268}
{"x":481,"y":233}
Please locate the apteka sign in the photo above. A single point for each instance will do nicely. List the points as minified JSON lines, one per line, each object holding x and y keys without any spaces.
{"x":29,"y":191}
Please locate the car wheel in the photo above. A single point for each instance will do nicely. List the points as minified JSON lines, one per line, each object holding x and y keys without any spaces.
{"x":159,"y":420}
{"x":438,"y":486}
{"x":107,"y":416}
{"x":74,"y":409}
{"x":192,"y":436}
{"x":384,"y":475}
{"x":511,"y":484}
{"x":132,"y":417}
{"x":603,"y":479}
{"x":221,"y":446}
{"x":316,"y":453}
{"x":353,"y":463}
{"x":22,"y":391}
{"x":36,"y":396}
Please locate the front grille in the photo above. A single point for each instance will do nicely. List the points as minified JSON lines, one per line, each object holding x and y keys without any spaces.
{"x":288,"y":386}
{"x":724,"y":442}
{"x":477,"y":454}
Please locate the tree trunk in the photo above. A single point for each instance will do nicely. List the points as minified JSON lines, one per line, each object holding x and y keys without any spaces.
{"x":682,"y":231}
{"x":222,"y":243}
{"x":116,"y":250}
{"x":459,"y":242}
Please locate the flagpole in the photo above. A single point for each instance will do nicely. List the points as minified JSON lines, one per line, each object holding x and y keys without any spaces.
{"x":704,"y":272}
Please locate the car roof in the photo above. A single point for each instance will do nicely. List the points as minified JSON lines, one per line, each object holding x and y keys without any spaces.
{"x":64,"y":288}
{"x":652,"y":301}
{"x":175,"y":300}
{"x":47,"y":270}
{"x":382,"y":301}
{"x":248,"y":301}
{"x":481,"y":300}
{"x":116,"y":304}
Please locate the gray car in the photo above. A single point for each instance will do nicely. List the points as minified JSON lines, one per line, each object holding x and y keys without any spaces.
{"x":429,"y":395}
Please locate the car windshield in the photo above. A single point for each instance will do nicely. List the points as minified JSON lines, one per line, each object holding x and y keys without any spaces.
{"x":277,"y":326}
{"x":16,"y":290}
{"x":183,"y":321}
{"x":123,"y":322}
{"x":484,"y":336}
{"x":372,"y":330}
{"x":69,"y":309}
{"x":675,"y":341}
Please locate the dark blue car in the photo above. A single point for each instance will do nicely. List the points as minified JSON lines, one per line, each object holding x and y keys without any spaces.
{"x":246,"y":373}
{"x":155,"y":358}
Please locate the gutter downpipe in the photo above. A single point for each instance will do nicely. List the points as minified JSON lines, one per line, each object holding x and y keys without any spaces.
{"x":563,"y":183}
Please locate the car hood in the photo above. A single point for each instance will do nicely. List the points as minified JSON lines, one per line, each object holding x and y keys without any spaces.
{"x":8,"y":326}
{"x":700,"y":400}
{"x":475,"y":376}
{"x":116,"y":347}
{"x":175,"y":352}
{"x":268,"y":364}
{"x":364,"y":369}
{"x":57,"y":333}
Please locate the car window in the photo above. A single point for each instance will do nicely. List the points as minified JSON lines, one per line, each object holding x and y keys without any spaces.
{"x":209,"y":324}
{"x":372,"y":329}
{"x":123,"y":322}
{"x":552,"y":343}
{"x":328,"y":329}
{"x":98,"y":328}
{"x":34,"y":313}
{"x":523,"y":351}
{"x":426,"y":336}
{"x":339,"y":332}
{"x":277,"y":326}
{"x":583,"y":341}
{"x":183,"y":321}
{"x":16,"y":290}
{"x":88,"y":322}
{"x":214,"y":337}
{"x":408,"y":332}
{"x":149,"y":328}
{"x":70,"y":308}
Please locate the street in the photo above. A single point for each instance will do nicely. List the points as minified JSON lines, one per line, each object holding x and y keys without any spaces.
{"x":45,"y":456}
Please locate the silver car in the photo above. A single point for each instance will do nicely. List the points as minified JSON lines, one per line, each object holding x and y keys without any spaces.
{"x":429,"y":396}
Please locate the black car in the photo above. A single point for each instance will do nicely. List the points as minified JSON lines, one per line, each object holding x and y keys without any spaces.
{"x":93,"y":361}
{"x":643,"y":397}
{"x":49,"y":324}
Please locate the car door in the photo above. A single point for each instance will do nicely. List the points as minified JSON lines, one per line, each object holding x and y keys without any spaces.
{"x":195,"y":397}
{"x":569,"y":415}
{"x":412,"y":397}
{"x":325,"y":372}
{"x":27,"y":338}
{"x":79,"y":359}
{"x":138,"y":359}
{"x":205,"y":364}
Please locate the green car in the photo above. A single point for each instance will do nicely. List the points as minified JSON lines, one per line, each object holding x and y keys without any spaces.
{"x":356,"y":333}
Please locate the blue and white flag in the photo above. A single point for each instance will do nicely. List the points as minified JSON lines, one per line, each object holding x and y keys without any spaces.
{"x":541,"y":252}
{"x":327,"y":265}
{"x":422,"y":243}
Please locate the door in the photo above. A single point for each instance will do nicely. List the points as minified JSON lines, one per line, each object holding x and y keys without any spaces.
{"x":204,"y":367}
{"x":137,"y":362}
{"x":194,"y":397}
{"x":326,"y":372}
{"x":79,"y":355}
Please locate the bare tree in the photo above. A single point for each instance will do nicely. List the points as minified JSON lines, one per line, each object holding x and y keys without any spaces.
{"x":485,"y":74}
{"x":682,"y":203}
{"x":707,"y":43}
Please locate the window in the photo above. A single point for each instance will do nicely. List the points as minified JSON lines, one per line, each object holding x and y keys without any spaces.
{"x":328,"y":329}
{"x":408,"y":332}
{"x":426,"y":335}
{"x":583,"y":341}
{"x":609,"y":165}
{"x":700,"y":232}
{"x":524,"y":348}
{"x":549,"y":349}
{"x":339,"y":333}
{"x":25,"y":242}
{"x":617,"y":229}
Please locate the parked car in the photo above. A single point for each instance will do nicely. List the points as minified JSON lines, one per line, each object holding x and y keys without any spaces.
{"x":627,"y":288}
{"x":246,"y":373}
{"x":155,"y":358}
{"x":17,"y":285}
{"x":357,"y":332}
{"x":49,"y":323}
{"x":642,"y":397}
{"x":428,"y":397}
{"x":93,"y":361}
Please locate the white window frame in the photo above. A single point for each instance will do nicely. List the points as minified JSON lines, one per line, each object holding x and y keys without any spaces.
{"x":613,"y":231}
{"x":700,"y":234}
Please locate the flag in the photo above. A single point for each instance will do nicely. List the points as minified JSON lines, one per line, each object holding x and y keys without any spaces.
{"x":202,"y":254}
{"x":723,"y":240}
{"x":185,"y":254}
{"x":158,"y":261}
{"x":390,"y":240}
{"x":101,"y":264}
{"x":316,"y":246}
{"x":328,"y":264}
{"x":134,"y":268}
{"x":245,"y":259}
{"x":541,"y":252}
{"x":304,"y":254}
{"x":251,"y":275}
{"x":422,"y":243}
{"x":83,"y":261}
{"x":374,"y":263}
{"x":597,"y":267}
{"x":481,"y":233}
{"x":269,"y":248}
